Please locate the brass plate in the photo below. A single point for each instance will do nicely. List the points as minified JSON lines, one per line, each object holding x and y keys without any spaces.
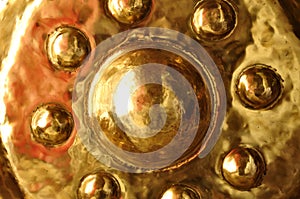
{"x":257,"y":154}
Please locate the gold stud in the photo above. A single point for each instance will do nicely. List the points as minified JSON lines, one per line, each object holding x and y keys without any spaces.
{"x":99,"y":185}
{"x":259,"y":87}
{"x":51,"y":124}
{"x":129,"y":12}
{"x":214,"y":20}
{"x":243,"y":168}
{"x":180,"y":191}
{"x":67,"y":47}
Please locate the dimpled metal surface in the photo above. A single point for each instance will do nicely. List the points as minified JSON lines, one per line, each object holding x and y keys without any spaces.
{"x":264,"y":34}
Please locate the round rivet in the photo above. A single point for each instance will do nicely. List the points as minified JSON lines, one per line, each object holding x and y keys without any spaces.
{"x":145,"y":110}
{"x":99,"y":185}
{"x":51,"y":124}
{"x":129,"y":12}
{"x":144,"y":100}
{"x":180,"y":191}
{"x":67,"y":47}
{"x":243,"y":168}
{"x":259,"y":87}
{"x":214,"y":20}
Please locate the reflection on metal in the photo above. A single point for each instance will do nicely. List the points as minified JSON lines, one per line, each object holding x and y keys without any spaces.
{"x":99,"y":185}
{"x":259,"y":87}
{"x":214,"y":20}
{"x":246,"y":31}
{"x":243,"y":168}
{"x":162,"y":110}
{"x":142,"y":101}
{"x":51,"y":124}
{"x":67,"y":47}
{"x":129,"y":12}
{"x":180,"y":191}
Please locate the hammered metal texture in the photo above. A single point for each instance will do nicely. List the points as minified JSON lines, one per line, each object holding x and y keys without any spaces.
{"x":264,"y":33}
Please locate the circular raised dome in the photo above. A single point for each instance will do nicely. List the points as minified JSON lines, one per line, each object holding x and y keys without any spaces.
{"x":51,"y":124}
{"x":259,"y":87}
{"x":243,"y":168}
{"x":148,"y":101}
{"x":214,"y":20}
{"x":99,"y":185}
{"x":67,"y":47}
{"x":180,"y":191}
{"x":129,"y":12}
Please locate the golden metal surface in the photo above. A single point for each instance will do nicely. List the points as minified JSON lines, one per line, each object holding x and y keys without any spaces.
{"x":51,"y":124}
{"x":180,"y":191}
{"x":163,"y":109}
{"x":143,"y":99}
{"x":243,"y":168}
{"x":67,"y":47}
{"x":214,"y":20}
{"x":129,"y":12}
{"x":99,"y":185}
{"x":263,"y":33}
{"x":259,"y":87}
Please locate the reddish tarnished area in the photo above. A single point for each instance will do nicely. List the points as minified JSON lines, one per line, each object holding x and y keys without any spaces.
{"x":33,"y":81}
